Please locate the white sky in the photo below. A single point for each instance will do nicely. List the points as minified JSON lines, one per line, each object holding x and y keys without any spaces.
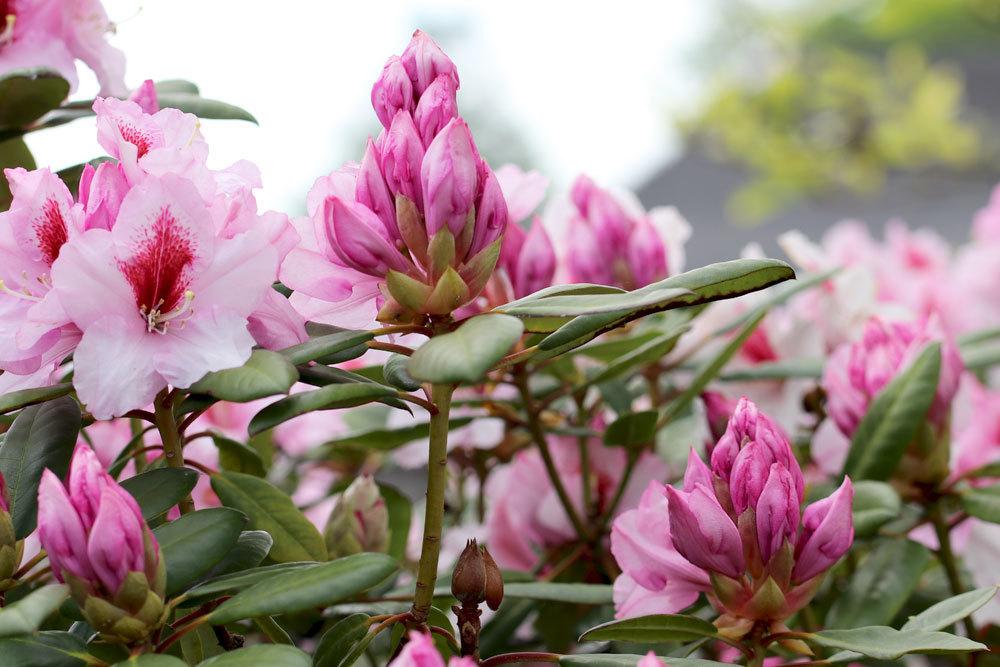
{"x":591,"y":85}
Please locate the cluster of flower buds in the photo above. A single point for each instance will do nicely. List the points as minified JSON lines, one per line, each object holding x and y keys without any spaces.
{"x":857,"y":372}
{"x":734,"y":532}
{"x":476,"y":579}
{"x":359,"y":522}
{"x":423,"y":214}
{"x":611,"y":245}
{"x":99,"y":544}
{"x":11,"y":549}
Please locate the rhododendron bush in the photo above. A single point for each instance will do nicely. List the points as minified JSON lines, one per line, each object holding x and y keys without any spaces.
{"x":435,"y":421}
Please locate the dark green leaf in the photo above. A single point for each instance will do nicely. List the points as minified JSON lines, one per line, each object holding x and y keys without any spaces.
{"x":950,"y":611}
{"x":264,"y":374}
{"x":466,"y":354}
{"x":203,"y":108}
{"x":654,"y":629}
{"x":16,"y":400}
{"x":636,"y":429}
{"x":885,"y":643}
{"x":336,"y":643}
{"x":648,"y":352}
{"x":384,"y":440}
{"x":395,"y":373}
{"x":28,"y":94}
{"x":270,"y":509}
{"x":400,"y":509}
{"x":591,"y":594}
{"x":13,"y":153}
{"x":880,"y":586}
{"x":176,"y":86}
{"x":311,"y":588}
{"x":575,"y":305}
{"x":330,"y":397}
{"x":42,"y":436}
{"x":250,"y":551}
{"x":272,"y":655}
{"x":237,"y":457}
{"x":875,"y":504}
{"x":152,"y":660}
{"x":44,"y":649}
{"x":26,"y":615}
{"x":894,"y":418}
{"x":238,"y":581}
{"x":159,"y":489}
{"x":983,"y":503}
{"x":316,"y":349}
{"x":195,"y":542}
{"x":777,"y":370}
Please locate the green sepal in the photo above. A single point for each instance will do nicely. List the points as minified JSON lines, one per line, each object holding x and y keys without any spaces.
{"x":411,"y":228}
{"x":450,"y":293}
{"x":477,"y":271}
{"x":440,"y":252}
{"x":407,"y":291}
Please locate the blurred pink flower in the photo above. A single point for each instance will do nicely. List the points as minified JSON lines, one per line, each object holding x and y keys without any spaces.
{"x":419,"y":651}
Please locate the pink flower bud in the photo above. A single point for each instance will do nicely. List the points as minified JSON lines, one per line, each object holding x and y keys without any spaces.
{"x":827,"y":533}
{"x":437,"y":107}
{"x":359,"y":239}
{"x":402,"y":154}
{"x":491,"y":210}
{"x":115,"y":545}
{"x":777,"y":511}
{"x":87,"y":481}
{"x":392,"y":92}
{"x":646,"y":254}
{"x":584,"y":255}
{"x":580,"y":192}
{"x":610,"y":221}
{"x":703,"y":533}
{"x":449,"y":178}
{"x":372,"y":192}
{"x":60,"y":530}
{"x":145,"y":96}
{"x":4,"y":497}
{"x":749,"y":475}
{"x":424,"y":61}
{"x":718,"y":410}
{"x":535,"y":266}
{"x":101,"y":193}
{"x":696,"y":473}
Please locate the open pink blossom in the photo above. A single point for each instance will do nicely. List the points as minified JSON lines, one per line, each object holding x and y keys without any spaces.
{"x":160,"y":299}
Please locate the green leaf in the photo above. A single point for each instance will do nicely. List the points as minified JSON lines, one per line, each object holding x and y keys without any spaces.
{"x":264,"y":374}
{"x":26,"y":615}
{"x":626,"y":660}
{"x":575,"y":305}
{"x":885,"y":643}
{"x":202,"y":107}
{"x":875,"y":504}
{"x":653,"y":629}
{"x":42,"y":436}
{"x":466,"y":354}
{"x":991,"y":469}
{"x":330,"y":397}
{"x":776,"y":370}
{"x":880,"y":586}
{"x":310,"y":588}
{"x":176,"y":86}
{"x":238,"y":457}
{"x":195,"y":542}
{"x":13,"y":153}
{"x":778,"y":296}
{"x":16,"y":400}
{"x":950,"y":611}
{"x":564,"y":290}
{"x":711,"y":369}
{"x":636,"y":429}
{"x":272,"y":655}
{"x":894,"y":418}
{"x":336,"y":643}
{"x":152,"y":660}
{"x":159,"y":489}
{"x":384,"y":440}
{"x":238,"y":581}
{"x":646,"y":353}
{"x":44,"y":649}
{"x":400,"y":509}
{"x":982,"y":503}
{"x":28,"y":94}
{"x":250,"y":550}
{"x":270,"y":509}
{"x":591,"y":594}
{"x":316,"y":349}
{"x":395,"y":373}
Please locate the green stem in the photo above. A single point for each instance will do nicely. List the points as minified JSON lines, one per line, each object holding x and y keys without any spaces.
{"x":535,"y":427}
{"x":581,"y":443}
{"x":434,"y":512}
{"x":948,"y":562}
{"x":173,"y":449}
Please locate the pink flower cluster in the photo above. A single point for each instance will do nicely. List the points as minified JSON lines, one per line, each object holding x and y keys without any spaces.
{"x":734,"y":531}
{"x":54,"y":34}
{"x":159,"y":271}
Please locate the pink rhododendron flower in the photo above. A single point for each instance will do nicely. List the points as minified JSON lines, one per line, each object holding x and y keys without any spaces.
{"x":738,"y":521}
{"x":525,"y":516}
{"x":54,"y":34}
{"x":420,"y":651}
{"x":650,"y":660}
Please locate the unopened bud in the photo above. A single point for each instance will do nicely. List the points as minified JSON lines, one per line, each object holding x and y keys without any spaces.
{"x":468,"y":581}
{"x":11,"y":549}
{"x":359,"y":522}
{"x":494,"y":581}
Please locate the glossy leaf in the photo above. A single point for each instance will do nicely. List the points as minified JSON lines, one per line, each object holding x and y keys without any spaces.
{"x":592,"y":594}
{"x":151,"y":660}
{"x":336,"y":643}
{"x":400,"y":509}
{"x":42,"y":436}
{"x":13,"y":153}
{"x":309,"y":588}
{"x":159,"y":489}
{"x":575,"y":305}
{"x":875,"y":504}
{"x":636,"y":429}
{"x":466,"y":354}
{"x":238,"y":457}
{"x":264,"y":374}
{"x":983,"y":503}
{"x":316,"y":349}
{"x":270,"y":509}
{"x":652,"y":629}
{"x":950,"y":611}
{"x":646,"y":353}
{"x":44,"y":649}
{"x":28,"y":94}
{"x":894,"y":418}
{"x":330,"y":397}
{"x":202,"y":107}
{"x":885,"y":643}
{"x":16,"y":400}
{"x":272,"y":655}
{"x":250,"y":551}
{"x":383,"y":439}
{"x":395,"y":373}
{"x":27,"y":614}
{"x":237,"y":581}
{"x":195,"y":542}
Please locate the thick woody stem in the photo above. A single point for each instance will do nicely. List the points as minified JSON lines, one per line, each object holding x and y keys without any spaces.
{"x":173,"y":449}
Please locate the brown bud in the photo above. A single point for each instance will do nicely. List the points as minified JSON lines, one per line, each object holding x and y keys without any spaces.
{"x":468,"y":581}
{"x":494,"y":581}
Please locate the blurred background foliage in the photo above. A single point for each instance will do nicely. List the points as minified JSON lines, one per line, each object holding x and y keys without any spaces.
{"x":828,"y":97}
